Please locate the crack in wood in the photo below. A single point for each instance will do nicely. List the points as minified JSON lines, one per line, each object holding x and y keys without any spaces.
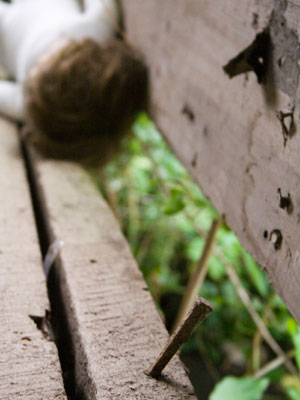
{"x":287,"y":124}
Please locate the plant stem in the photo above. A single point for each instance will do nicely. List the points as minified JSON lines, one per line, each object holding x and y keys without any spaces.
{"x":198,"y":276}
{"x":255,"y":316}
{"x":273,"y":364}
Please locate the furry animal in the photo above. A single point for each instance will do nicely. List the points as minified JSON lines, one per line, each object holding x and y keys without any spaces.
{"x":76,"y":86}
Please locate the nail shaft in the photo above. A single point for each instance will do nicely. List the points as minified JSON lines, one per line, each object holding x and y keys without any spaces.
{"x":198,"y":313}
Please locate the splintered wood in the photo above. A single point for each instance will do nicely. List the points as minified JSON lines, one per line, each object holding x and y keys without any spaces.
{"x":29,"y":366}
{"x":238,"y":137}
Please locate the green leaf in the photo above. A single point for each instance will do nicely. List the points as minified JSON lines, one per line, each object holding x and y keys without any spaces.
{"x":141,"y":162}
{"x":229,"y":294}
{"x":204,"y":218}
{"x":176,"y":202}
{"x":184,"y":224}
{"x":296,"y":341}
{"x":194,"y":248}
{"x":256,"y":275}
{"x":229,"y":244}
{"x":135,"y":146}
{"x":291,"y":325}
{"x":216,"y":269}
{"x":246,"y":388}
{"x":291,"y":385}
{"x":146,"y":130}
{"x":276,"y":302}
{"x":294,"y":330}
{"x":293,"y":393}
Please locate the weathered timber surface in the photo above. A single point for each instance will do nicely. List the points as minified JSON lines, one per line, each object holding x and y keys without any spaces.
{"x":29,"y":366}
{"x":227,"y":132}
{"x":116,"y":331}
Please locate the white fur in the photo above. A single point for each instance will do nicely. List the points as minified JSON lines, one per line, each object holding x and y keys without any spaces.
{"x":30,"y":29}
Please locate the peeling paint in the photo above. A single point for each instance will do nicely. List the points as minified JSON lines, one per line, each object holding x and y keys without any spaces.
{"x":285,"y":51}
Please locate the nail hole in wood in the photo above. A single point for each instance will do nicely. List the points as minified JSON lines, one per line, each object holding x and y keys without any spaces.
{"x":276,"y":239}
{"x":194,"y":160}
{"x":254,"y":58}
{"x":188,"y":112}
{"x":285,"y":202}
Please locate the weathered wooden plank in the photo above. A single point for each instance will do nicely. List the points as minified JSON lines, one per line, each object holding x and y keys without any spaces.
{"x":116,"y":330}
{"x":227,"y":132}
{"x":29,"y":366}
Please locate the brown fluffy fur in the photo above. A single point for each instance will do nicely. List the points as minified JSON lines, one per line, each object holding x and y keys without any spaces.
{"x":83,"y":100}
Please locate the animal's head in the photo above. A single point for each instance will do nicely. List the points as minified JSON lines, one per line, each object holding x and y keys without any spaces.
{"x":83,"y":99}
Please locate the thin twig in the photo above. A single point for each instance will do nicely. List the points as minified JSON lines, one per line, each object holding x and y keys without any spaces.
{"x":198,"y":313}
{"x":257,"y":339}
{"x":273,"y":364}
{"x":256,"y":346}
{"x":255,"y":316}
{"x":198,"y":276}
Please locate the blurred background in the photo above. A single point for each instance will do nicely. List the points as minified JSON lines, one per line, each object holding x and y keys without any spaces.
{"x":249,"y":347}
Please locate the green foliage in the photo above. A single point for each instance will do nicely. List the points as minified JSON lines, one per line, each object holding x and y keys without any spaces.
{"x":165,"y":218}
{"x":175,"y":202}
{"x":291,"y":385}
{"x":294,"y":330}
{"x":239,"y":388}
{"x":296,"y":341}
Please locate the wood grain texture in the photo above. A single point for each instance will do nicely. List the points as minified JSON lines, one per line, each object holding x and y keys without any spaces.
{"x":29,"y":366}
{"x":117,"y":332}
{"x":227,"y":132}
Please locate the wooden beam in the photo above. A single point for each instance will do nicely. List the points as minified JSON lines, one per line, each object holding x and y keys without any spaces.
{"x":238,"y":138}
{"x":116,"y":330}
{"x":29,"y":366}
